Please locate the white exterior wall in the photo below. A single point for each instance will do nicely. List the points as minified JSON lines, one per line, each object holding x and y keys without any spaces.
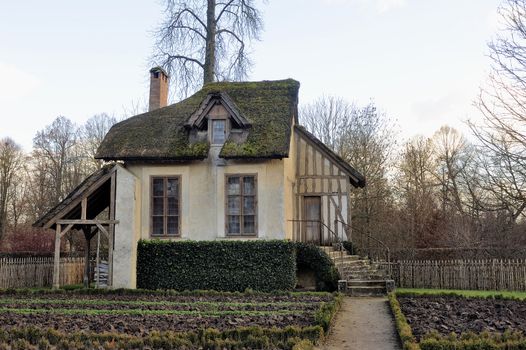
{"x":202,"y":201}
{"x":127,"y":211}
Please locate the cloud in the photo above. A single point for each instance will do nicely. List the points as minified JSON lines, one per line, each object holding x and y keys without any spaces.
{"x":15,"y":83}
{"x":381,"y":6}
{"x":388,"y":5}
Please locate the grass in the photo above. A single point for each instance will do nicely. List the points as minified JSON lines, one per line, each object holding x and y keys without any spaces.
{"x":463,"y":293}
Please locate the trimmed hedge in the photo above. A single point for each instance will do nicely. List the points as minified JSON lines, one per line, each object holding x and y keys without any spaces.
{"x":217,"y":265}
{"x":470,"y":341}
{"x":404,"y":329}
{"x":312,"y":257}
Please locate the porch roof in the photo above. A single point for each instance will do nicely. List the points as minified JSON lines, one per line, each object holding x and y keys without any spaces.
{"x":96,"y":189}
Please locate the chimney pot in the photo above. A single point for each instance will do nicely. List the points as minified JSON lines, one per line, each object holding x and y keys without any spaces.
{"x":158,"y":88}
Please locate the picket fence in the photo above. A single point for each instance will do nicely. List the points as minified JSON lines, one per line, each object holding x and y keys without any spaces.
{"x":488,"y":274}
{"x":30,"y":272}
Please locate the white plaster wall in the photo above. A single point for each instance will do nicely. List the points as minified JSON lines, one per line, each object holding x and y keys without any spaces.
{"x":127,"y":209}
{"x":203,"y":196}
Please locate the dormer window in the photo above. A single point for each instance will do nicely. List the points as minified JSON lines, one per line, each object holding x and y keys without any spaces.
{"x":219,"y":119}
{"x":219,"y":130}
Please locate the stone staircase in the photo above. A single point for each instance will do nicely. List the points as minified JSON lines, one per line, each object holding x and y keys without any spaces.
{"x":359,"y":276}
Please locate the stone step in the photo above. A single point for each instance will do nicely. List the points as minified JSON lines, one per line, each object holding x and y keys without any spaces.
{"x":339,"y":254}
{"x":351,"y":269}
{"x":350,"y":277}
{"x":349,"y":260}
{"x":365,"y":283}
{"x":364,"y":291}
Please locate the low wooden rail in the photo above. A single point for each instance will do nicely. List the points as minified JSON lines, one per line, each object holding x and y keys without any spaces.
{"x":488,"y":274}
{"x":31,"y":272}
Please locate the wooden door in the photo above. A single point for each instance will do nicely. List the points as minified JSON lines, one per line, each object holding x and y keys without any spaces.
{"x":312,"y":211}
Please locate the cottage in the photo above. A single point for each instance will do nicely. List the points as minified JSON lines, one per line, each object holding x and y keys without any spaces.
{"x":229,"y":162}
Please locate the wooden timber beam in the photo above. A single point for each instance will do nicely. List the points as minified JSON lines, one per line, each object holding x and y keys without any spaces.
{"x":86,"y":222}
{"x":76,"y":202}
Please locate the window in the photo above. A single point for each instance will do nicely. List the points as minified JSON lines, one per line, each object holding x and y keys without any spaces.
{"x":241,"y":206}
{"x":218,"y":131}
{"x":165,"y":206}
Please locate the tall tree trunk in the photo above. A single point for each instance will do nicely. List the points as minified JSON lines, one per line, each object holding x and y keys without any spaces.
{"x":210,"y":55}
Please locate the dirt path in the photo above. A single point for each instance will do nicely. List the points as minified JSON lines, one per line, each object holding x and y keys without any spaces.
{"x":363,"y":324}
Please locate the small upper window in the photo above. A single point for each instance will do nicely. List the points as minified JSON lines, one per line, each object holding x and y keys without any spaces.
{"x":218,"y":131}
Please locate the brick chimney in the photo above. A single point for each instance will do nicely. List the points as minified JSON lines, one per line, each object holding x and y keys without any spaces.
{"x":158,"y":88}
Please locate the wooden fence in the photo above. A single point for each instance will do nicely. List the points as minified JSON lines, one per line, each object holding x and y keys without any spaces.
{"x":31,"y":272}
{"x":490,"y":274}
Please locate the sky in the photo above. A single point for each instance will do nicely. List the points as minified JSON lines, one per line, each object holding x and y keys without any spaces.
{"x":421,"y":61}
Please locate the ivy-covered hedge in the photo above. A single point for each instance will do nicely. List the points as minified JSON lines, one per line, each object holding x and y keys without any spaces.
{"x":313,"y":258}
{"x":217,"y":265}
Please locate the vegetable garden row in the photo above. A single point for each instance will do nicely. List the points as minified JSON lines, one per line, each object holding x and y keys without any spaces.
{"x":129,"y":319}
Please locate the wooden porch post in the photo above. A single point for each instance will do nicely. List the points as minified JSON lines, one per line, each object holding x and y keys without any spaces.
{"x":56,"y":261}
{"x":87,"y":235}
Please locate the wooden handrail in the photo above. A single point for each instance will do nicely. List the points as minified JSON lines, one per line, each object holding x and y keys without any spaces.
{"x":388,"y":251}
{"x":324,"y":225}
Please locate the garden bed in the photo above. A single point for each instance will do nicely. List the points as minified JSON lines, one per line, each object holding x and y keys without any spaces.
{"x":459,"y":320}
{"x":277,"y":320}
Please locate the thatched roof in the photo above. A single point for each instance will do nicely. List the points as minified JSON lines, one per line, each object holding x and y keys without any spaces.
{"x":161,"y":135}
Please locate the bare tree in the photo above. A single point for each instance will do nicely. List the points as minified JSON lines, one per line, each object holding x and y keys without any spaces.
{"x":92,"y":134}
{"x":502,"y":102}
{"x":201,"y":41}
{"x":53,"y":150}
{"x":329,"y":118}
{"x":453,"y":155}
{"x":416,"y":186}
{"x":11,"y":158}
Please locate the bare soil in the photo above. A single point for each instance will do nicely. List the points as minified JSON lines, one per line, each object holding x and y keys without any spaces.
{"x":139,"y":325}
{"x":55,"y":311}
{"x":460,"y":315}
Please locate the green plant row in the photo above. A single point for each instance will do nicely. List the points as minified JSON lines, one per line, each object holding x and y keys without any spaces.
{"x":241,"y":338}
{"x":404,"y":330}
{"x":206,"y":313}
{"x":471,"y":341}
{"x":217,"y":265}
{"x":158,"y":292}
{"x":99,"y":302}
{"x":325,"y":314}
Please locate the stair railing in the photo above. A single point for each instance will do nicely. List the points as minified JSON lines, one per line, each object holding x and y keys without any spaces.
{"x":368,"y":250}
{"x":333,"y":237}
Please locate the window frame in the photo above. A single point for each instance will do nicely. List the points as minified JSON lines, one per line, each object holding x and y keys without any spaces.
{"x":210,"y":126}
{"x":241,"y":234}
{"x":165,"y":206}
{"x":212,"y":132}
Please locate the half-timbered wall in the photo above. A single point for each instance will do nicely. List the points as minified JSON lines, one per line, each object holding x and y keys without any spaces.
{"x":318,"y":175}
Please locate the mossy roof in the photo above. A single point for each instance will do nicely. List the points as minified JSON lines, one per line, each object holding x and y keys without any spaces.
{"x":160,"y":135}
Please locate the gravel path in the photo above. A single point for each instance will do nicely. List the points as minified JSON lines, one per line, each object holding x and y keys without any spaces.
{"x":363,"y":324}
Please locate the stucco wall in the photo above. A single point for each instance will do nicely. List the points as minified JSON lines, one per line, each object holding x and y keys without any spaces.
{"x":289,"y":168}
{"x":127,"y":210}
{"x":203,"y":196}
